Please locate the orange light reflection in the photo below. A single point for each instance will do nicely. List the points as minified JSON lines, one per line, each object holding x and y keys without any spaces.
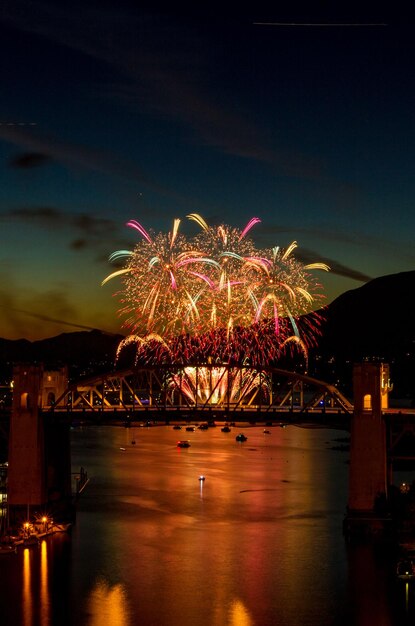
{"x":27,"y":591}
{"x":108,"y":605}
{"x":238,"y":614}
{"x":44,"y":589}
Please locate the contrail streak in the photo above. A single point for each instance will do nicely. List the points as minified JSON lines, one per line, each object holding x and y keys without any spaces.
{"x":317,"y":24}
{"x":46,"y":318}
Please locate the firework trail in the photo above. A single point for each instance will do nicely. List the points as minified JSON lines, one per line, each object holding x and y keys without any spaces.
{"x":215,"y":298}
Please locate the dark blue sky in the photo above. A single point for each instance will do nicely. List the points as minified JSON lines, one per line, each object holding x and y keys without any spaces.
{"x":111,"y":112}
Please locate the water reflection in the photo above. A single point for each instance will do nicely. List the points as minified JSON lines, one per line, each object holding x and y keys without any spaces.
{"x":368,"y":579}
{"x":27,"y":590}
{"x":258,"y":543}
{"x":406,"y":596}
{"x":239,"y":615}
{"x":44,"y":586}
{"x":108,"y":605}
{"x":35,"y":587}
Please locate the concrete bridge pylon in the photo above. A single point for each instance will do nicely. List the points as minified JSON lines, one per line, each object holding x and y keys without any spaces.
{"x":39,"y":472}
{"x":370,"y":470}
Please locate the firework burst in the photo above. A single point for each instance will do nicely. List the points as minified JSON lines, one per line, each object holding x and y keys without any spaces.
{"x":215,"y":298}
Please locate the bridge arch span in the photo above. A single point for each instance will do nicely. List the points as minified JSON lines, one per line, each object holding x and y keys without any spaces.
{"x":224,"y":388}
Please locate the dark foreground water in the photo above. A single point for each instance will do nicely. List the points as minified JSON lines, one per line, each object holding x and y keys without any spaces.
{"x":258,"y":543}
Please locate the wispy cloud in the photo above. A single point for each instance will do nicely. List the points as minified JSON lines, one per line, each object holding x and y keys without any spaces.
{"x":352,"y":239}
{"x":46,"y":318}
{"x":77,"y":155}
{"x":31,"y":313}
{"x":28,"y":160}
{"x":17,"y":308}
{"x":84,"y":230}
{"x":52,"y":217}
{"x":308,"y":256}
{"x":161,"y":64}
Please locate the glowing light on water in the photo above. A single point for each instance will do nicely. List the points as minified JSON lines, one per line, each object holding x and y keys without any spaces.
{"x":108,"y":604}
{"x":27,"y":599}
{"x":239,"y":615}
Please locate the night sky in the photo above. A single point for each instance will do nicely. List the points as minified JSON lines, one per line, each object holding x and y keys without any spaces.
{"x":111,"y":112}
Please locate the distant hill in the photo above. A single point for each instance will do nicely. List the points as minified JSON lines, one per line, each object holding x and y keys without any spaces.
{"x":375,"y":320}
{"x":93,"y":350}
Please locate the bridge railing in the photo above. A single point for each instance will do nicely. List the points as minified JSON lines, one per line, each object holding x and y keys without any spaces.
{"x":201,"y":388}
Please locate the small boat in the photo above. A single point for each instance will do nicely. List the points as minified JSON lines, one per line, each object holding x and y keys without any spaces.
{"x":225,"y":429}
{"x":405,"y":569}
{"x":241,"y":437}
{"x":8,"y":548}
{"x":203,"y":426}
{"x":183,"y":444}
{"x":266,"y":432}
{"x":201,"y":478}
{"x":191,"y":428}
{"x":177,"y":427}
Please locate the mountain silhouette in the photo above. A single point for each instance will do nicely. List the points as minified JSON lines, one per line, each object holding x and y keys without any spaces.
{"x":375,"y":320}
{"x":83,"y":351}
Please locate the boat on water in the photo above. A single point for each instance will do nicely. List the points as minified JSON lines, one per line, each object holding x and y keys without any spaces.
{"x":183,"y":444}
{"x":241,"y":437}
{"x":406,"y":569}
{"x":8,"y":548}
{"x":225,"y":429}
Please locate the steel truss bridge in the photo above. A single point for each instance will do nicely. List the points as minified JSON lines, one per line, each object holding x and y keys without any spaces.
{"x":208,"y":390}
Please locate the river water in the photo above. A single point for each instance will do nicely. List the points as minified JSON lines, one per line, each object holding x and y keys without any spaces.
{"x":259,"y":542}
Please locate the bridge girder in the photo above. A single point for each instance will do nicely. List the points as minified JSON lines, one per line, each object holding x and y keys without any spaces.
{"x":201,"y":387}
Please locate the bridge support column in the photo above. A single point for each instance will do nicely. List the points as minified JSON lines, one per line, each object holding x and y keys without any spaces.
{"x":39,"y":472}
{"x":369,"y":474}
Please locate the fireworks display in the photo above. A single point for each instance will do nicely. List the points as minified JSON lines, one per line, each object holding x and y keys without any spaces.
{"x":218,"y":385}
{"x":215,"y":298}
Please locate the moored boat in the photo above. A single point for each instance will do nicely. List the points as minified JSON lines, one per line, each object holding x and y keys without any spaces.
{"x":8,"y":548}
